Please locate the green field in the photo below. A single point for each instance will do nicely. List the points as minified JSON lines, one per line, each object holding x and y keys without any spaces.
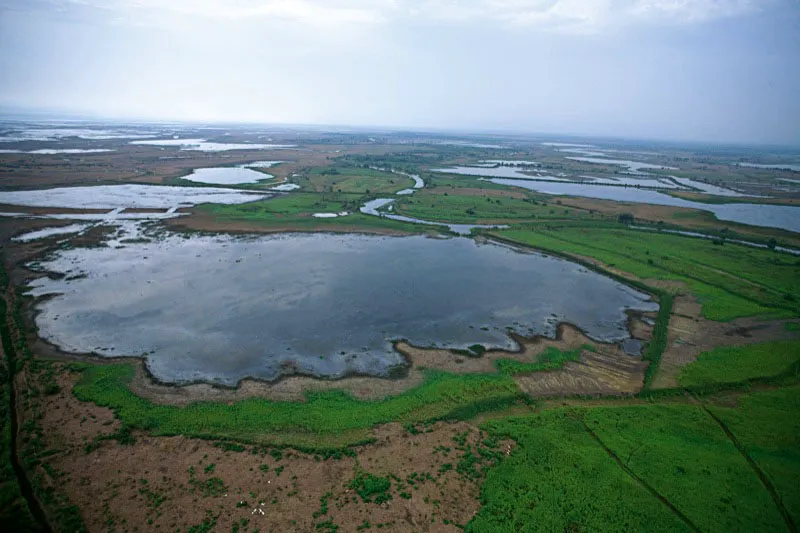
{"x":442,"y":205}
{"x":768,"y":427}
{"x":730,"y":280}
{"x":740,"y":363}
{"x":346,"y":179}
{"x":294,"y":211}
{"x":326,"y":419}
{"x":549,"y":359}
{"x":638,"y":468}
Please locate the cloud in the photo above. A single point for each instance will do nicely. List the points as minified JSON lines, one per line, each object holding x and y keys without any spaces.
{"x":548,"y":15}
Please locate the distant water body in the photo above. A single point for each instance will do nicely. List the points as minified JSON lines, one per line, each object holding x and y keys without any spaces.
{"x":766,"y":215}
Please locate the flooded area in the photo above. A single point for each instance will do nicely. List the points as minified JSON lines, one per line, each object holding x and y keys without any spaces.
{"x":513,"y":172}
{"x":707,"y":187}
{"x":322,"y":304}
{"x":766,"y":215}
{"x":49,"y":232}
{"x":24,"y":134}
{"x":202,"y":145}
{"x":632,"y":166}
{"x":380,"y":207}
{"x":126,"y":197}
{"x":227,"y":175}
{"x":793,"y":167}
{"x":261,"y":164}
{"x":53,"y":151}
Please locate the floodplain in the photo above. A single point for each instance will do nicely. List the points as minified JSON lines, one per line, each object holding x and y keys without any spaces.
{"x":212,"y":333}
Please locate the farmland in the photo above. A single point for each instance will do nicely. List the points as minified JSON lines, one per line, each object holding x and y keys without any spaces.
{"x":730,"y":280}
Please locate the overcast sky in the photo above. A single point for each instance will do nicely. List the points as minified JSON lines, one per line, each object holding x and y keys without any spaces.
{"x":717,"y":70}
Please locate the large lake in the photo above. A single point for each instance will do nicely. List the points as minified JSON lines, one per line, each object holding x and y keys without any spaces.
{"x":221,"y":308}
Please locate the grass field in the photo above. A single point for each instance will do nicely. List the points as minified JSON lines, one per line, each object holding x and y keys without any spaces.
{"x":768,"y":428}
{"x":632,"y":468}
{"x":549,"y":359}
{"x":328,"y":419}
{"x":443,"y":206}
{"x":740,"y":363}
{"x":346,"y":179}
{"x":295,"y":211}
{"x":731,"y":280}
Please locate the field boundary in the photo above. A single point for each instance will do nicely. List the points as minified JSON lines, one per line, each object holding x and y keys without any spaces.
{"x":677,"y":512}
{"x":762,"y":476}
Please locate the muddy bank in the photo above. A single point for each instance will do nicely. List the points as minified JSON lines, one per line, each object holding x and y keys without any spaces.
{"x":294,"y":388}
{"x":169,"y":482}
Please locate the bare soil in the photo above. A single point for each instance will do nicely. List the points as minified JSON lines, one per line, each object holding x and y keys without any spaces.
{"x":597,"y":373}
{"x":176,"y":482}
{"x":690,"y":334}
{"x":294,"y":388}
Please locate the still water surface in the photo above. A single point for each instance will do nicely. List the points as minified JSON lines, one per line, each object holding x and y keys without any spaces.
{"x":766,"y":215}
{"x":220,"y":309}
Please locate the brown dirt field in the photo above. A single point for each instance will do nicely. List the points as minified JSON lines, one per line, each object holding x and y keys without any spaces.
{"x":294,"y":388}
{"x":169,"y":482}
{"x":690,"y":334}
{"x":606,"y":372}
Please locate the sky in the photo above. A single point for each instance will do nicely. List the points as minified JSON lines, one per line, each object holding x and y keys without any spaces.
{"x":701,"y":70}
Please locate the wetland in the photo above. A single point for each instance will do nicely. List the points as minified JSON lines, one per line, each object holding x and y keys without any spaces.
{"x":220,"y":309}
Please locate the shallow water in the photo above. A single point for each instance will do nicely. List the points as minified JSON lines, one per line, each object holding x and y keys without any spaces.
{"x":57,"y":134}
{"x":285,"y":187}
{"x":579,"y":145}
{"x":707,"y":188}
{"x":499,"y":172}
{"x":785,"y":166}
{"x":770,"y":216}
{"x":126,"y":196}
{"x":373,"y":208}
{"x":260,"y":164}
{"x":226,"y":175}
{"x":53,"y":151}
{"x":201,"y":145}
{"x":49,"y":232}
{"x":319,"y":304}
{"x":632,"y":166}
{"x":654,"y":183}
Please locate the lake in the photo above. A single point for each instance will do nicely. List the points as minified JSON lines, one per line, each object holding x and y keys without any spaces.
{"x":126,"y":196}
{"x":770,"y":216}
{"x":222,"y":308}
{"x":202,"y":145}
{"x":227,"y":175}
